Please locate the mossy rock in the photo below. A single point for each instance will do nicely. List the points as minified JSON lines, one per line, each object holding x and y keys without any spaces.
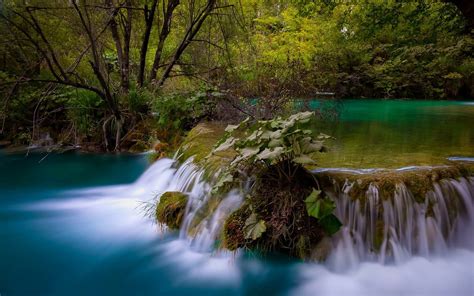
{"x":418,"y":181}
{"x":171,"y":208}
{"x":199,"y":143}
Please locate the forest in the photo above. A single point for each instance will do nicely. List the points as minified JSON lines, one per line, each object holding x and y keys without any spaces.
{"x":118,"y":75}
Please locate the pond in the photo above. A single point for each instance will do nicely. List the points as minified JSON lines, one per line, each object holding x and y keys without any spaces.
{"x":396,"y":133}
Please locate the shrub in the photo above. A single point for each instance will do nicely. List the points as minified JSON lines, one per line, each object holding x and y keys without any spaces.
{"x":183,"y":111}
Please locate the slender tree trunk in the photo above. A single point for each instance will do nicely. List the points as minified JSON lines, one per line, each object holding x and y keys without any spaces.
{"x":95,"y":63}
{"x":165,"y":30}
{"x":126,"y":49}
{"x":149,"y":16}
{"x":116,"y":37}
{"x":123,"y":49}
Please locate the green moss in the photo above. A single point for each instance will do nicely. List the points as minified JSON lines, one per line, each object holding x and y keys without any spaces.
{"x":419,"y":181}
{"x":199,"y":143}
{"x":171,"y":208}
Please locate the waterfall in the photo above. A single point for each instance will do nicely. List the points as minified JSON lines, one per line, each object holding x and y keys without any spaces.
{"x":376,"y":228}
{"x":204,"y":221}
{"x":396,"y":228}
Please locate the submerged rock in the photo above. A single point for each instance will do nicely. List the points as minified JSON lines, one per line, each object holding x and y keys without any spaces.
{"x":171,"y":208}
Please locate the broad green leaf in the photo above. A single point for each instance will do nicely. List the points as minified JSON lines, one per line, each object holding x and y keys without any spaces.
{"x":275,"y":124}
{"x":266,"y":135}
{"x":318,"y":207}
{"x":270,"y":153}
{"x":275,"y":143}
{"x":255,"y":135}
{"x":229,"y":142}
{"x":230,"y":128}
{"x":322,"y":136}
{"x":302,"y":117}
{"x":313,"y":146}
{"x":327,"y":207}
{"x":226,"y":178}
{"x":249,"y":151}
{"x":254,"y":228}
{"x":303,"y":159}
{"x":276,"y":134}
{"x":312,"y":203}
{"x":331,"y":224}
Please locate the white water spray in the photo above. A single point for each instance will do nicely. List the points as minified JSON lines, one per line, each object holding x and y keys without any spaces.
{"x":397,"y":228}
{"x":162,"y":176}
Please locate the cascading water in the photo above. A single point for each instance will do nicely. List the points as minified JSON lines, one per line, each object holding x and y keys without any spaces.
{"x":189,"y":179}
{"x":375,"y":228}
{"x":397,"y":228}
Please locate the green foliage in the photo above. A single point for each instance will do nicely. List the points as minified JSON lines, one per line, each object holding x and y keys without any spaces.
{"x":277,"y":142}
{"x":138,"y":100}
{"x":183,"y":111}
{"x":273,"y":141}
{"x":321,"y":209}
{"x":83,"y":109}
{"x":367,"y":48}
{"x":254,"y":228}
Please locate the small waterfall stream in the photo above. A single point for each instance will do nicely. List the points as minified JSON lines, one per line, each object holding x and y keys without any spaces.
{"x":398,"y":228}
{"x":162,"y":176}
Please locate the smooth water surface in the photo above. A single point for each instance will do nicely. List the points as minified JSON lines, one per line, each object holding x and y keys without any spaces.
{"x":396,"y":133}
{"x":69,"y":225}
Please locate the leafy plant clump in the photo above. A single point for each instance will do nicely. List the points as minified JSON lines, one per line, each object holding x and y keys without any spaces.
{"x":283,"y":144}
{"x":283,"y":207}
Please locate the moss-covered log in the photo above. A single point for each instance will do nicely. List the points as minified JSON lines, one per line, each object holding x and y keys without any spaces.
{"x":171,"y":208}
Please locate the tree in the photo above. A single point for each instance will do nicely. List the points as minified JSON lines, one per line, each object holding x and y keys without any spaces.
{"x":109,"y":29}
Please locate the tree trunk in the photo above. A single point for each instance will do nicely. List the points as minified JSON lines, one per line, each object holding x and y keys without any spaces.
{"x":123,"y":50}
{"x":149,"y":16}
{"x":165,"y":30}
{"x":126,"y":49}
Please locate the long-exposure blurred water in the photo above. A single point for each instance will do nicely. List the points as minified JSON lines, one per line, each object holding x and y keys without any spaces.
{"x":74,"y":224}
